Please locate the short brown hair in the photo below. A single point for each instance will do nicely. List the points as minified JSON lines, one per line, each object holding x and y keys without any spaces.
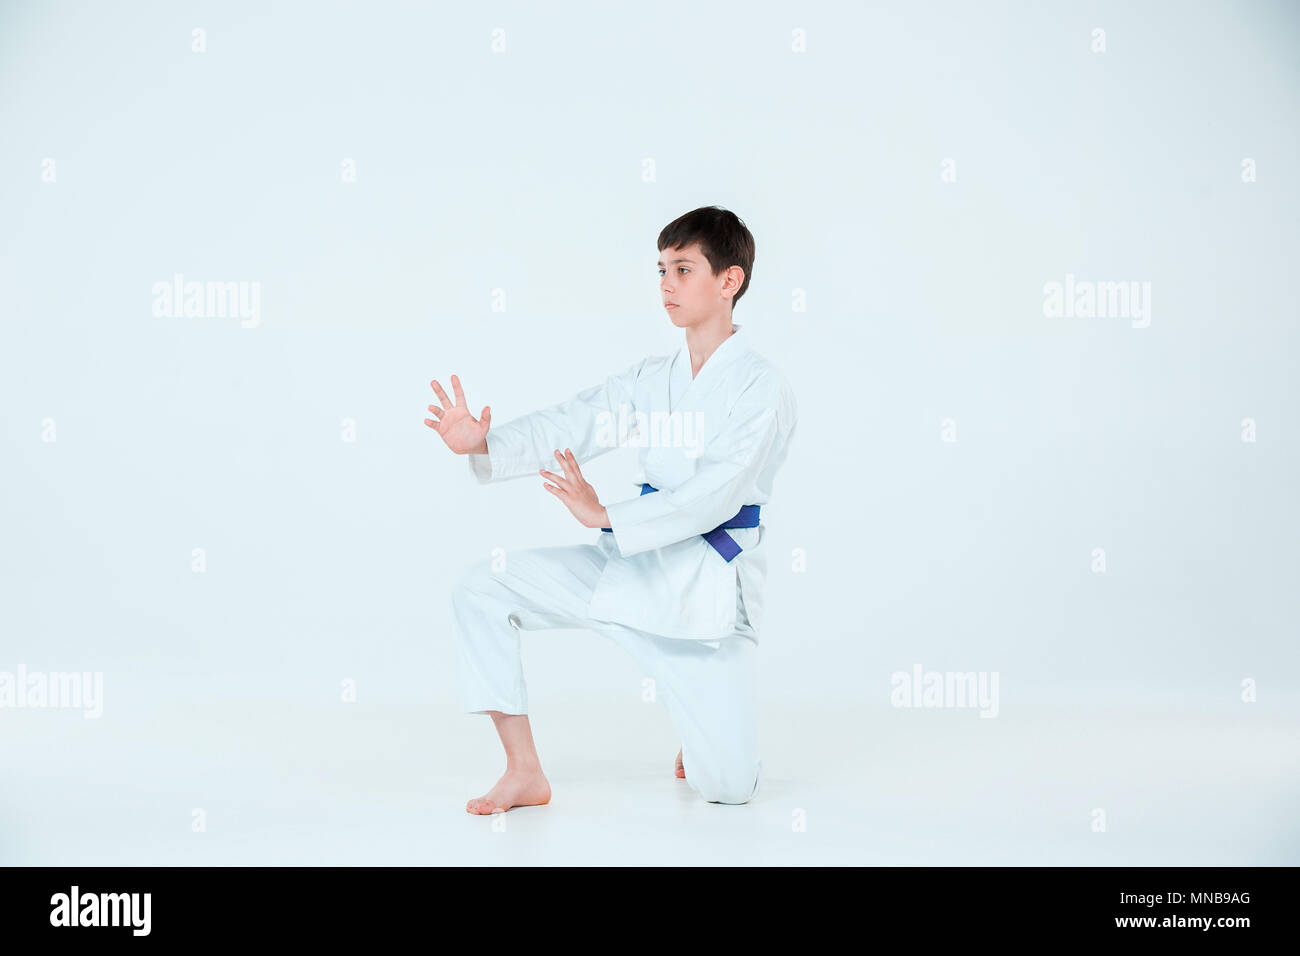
{"x":723,"y":238}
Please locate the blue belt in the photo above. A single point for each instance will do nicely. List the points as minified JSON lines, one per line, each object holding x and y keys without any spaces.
{"x":723,"y":543}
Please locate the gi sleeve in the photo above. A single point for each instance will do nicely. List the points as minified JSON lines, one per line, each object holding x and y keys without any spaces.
{"x":724,"y":476}
{"x":587,"y":424}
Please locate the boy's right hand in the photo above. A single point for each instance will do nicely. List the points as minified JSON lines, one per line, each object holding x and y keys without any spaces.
{"x":457,"y":427}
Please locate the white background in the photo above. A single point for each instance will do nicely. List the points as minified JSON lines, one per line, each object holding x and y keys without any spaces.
{"x":526,"y":171}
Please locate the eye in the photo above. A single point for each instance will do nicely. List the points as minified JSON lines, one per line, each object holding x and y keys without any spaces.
{"x":684,"y":269}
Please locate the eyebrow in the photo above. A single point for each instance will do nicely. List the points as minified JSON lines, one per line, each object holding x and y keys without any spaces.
{"x":675,"y":261}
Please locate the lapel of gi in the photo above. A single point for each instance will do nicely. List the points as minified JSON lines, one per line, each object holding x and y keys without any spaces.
{"x":698,"y":389}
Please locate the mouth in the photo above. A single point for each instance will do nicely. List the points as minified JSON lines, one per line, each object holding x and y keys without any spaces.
{"x":670,"y":305}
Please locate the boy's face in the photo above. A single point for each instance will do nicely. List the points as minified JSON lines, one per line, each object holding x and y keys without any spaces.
{"x":687,"y":281}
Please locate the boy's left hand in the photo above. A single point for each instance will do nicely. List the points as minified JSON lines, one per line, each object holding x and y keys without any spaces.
{"x":578,"y":496}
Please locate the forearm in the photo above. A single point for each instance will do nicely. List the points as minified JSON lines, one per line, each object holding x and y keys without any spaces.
{"x":585,"y":423}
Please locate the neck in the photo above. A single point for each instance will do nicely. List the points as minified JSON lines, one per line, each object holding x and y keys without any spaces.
{"x":703,"y":339}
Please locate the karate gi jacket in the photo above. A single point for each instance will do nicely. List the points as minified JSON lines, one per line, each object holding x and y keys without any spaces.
{"x":715,"y":448}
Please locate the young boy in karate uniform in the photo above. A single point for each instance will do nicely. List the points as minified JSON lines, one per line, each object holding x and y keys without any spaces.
{"x":676,"y":574}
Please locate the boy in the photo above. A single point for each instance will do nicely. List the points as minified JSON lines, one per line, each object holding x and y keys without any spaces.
{"x":676,"y":576}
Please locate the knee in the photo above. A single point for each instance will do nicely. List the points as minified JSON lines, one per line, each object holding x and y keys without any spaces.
{"x":479,"y":595}
{"x":476,"y":579}
{"x":736,"y":783}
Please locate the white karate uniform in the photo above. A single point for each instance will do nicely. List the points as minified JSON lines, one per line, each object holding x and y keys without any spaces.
{"x":710,"y":445}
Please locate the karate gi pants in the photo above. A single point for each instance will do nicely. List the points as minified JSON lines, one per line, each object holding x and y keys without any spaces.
{"x":710,"y":692}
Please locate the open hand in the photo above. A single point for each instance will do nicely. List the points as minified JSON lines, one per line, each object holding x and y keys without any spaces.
{"x":578,"y":496}
{"x":462,"y":432}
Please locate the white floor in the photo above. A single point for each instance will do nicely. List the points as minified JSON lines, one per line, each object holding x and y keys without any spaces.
{"x":285,"y":783}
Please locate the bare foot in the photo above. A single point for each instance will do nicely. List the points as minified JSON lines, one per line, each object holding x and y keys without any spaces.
{"x":516,"y":788}
{"x":681,"y":771}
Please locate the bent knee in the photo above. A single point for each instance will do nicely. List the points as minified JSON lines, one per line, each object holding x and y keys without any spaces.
{"x":737,"y":784}
{"x":476,"y":579}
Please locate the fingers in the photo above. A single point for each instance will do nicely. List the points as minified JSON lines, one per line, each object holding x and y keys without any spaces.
{"x":568,"y":463}
{"x":572,"y":481}
{"x":460,"y":392}
{"x":442,"y":396}
{"x":438,"y":413}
